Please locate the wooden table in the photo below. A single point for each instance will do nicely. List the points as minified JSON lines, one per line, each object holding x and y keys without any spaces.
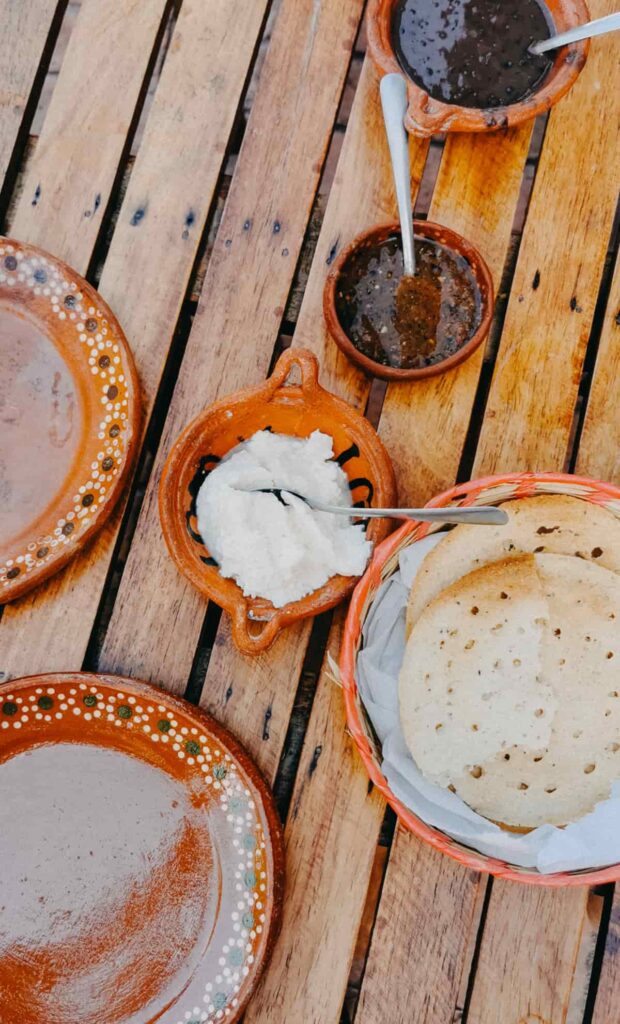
{"x":151,"y":114}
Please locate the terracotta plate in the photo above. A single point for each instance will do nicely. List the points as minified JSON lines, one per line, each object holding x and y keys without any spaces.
{"x":69,"y":414}
{"x":141,"y":857}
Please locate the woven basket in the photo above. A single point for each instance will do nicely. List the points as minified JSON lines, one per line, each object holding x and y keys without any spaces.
{"x":487,"y":491}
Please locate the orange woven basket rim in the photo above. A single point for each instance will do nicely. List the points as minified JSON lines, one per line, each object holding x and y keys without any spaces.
{"x":523,"y":485}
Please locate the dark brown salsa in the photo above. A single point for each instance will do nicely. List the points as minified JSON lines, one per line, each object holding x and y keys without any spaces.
{"x":407,"y":322}
{"x":472,"y":52}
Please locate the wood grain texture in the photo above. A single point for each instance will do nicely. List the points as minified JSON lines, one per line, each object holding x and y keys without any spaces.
{"x":599,"y":451}
{"x":145,"y":278}
{"x":424,"y":425}
{"x":25,"y":30}
{"x":243,"y":299}
{"x":553,"y":295}
{"x":330,"y":846}
{"x":77,"y":157}
{"x":528,"y":955}
{"x":418,"y":972}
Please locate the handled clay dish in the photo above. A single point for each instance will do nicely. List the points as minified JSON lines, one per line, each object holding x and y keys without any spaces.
{"x":427,"y":115}
{"x":290,"y":402}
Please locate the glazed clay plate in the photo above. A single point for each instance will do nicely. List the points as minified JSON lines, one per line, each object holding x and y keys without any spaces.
{"x":141,"y":857}
{"x":68,"y":414}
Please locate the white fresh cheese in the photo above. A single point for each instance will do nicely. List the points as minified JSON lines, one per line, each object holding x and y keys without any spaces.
{"x":272,"y":550}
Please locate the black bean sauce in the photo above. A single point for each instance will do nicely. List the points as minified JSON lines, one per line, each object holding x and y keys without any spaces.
{"x":407,"y":322}
{"x":472,"y":52}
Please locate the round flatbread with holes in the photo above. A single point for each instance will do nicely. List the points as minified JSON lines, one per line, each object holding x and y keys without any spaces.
{"x":554,"y":524}
{"x":510,"y":689}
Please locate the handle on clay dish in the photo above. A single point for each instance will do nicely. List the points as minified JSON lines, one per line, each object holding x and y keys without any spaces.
{"x":426,"y":123}
{"x":307,"y":365}
{"x":253,"y":643}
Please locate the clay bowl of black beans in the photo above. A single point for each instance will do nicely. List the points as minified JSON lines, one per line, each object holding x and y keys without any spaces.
{"x":408,"y":328}
{"x":467,"y":62}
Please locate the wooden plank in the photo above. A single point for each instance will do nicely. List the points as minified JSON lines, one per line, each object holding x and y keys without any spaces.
{"x":173,"y":182}
{"x":528,"y":955}
{"x":330,"y":849}
{"x":426,"y":963}
{"x":599,"y":451}
{"x":424,"y":425}
{"x":25,"y":32}
{"x":527,"y":425}
{"x":534,"y":387}
{"x":158,"y":615}
{"x":76,"y":161}
{"x":362,"y":194}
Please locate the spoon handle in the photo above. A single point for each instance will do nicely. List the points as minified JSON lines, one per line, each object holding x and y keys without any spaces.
{"x":484,"y":515}
{"x":591,"y":28}
{"x":393,"y":90}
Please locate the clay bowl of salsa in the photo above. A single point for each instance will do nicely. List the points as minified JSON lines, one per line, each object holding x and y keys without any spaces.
{"x":403,"y":329}
{"x":467,"y":63}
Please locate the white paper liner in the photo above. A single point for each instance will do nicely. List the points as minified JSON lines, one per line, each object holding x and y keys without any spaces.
{"x":592,"y":841}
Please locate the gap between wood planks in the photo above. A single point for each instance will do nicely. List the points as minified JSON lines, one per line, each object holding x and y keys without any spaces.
{"x":33,"y":44}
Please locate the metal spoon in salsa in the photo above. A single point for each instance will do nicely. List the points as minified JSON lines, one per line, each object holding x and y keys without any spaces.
{"x":407,"y":322}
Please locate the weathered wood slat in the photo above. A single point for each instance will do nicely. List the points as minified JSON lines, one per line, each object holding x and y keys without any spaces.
{"x":599,"y":451}
{"x":424,"y":425}
{"x":534,"y":388}
{"x":415,"y":974}
{"x":528,"y":955}
{"x":582,"y":977}
{"x":330,"y":846}
{"x":599,"y":456}
{"x":144,"y":279}
{"x":25,"y":31}
{"x":77,"y":157}
{"x":158,"y":615}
